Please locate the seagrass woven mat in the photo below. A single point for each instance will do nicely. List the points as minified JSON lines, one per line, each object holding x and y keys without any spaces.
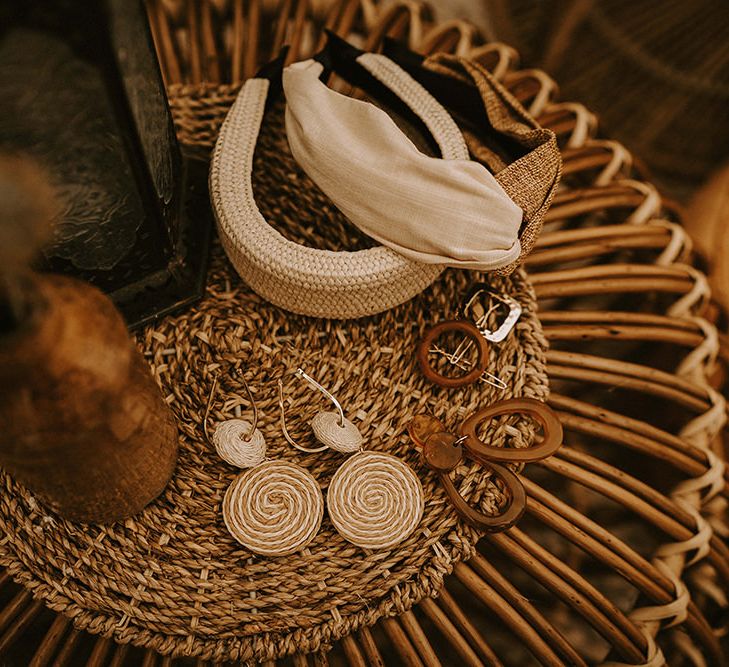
{"x":172,"y":578}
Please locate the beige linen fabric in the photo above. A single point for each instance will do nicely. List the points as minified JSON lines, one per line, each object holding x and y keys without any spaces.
{"x":430,"y":210}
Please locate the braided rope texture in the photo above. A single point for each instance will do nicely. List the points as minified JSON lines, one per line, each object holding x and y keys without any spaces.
{"x":618,"y":301}
{"x":374,"y":489}
{"x":172,"y":578}
{"x":236,"y":443}
{"x":635,"y":296}
{"x":274,"y":509}
{"x":344,"y":438}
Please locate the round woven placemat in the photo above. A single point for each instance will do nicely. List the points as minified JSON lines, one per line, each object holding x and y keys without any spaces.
{"x":172,"y":578}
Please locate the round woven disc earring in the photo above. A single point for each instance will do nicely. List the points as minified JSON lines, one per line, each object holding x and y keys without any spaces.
{"x":274,"y":508}
{"x":375,"y":501}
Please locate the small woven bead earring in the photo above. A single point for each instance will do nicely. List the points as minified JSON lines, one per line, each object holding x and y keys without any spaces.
{"x":375,"y":500}
{"x":274,"y":508}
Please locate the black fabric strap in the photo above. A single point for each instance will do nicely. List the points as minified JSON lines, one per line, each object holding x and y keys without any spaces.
{"x":340,"y":57}
{"x":462,"y":99}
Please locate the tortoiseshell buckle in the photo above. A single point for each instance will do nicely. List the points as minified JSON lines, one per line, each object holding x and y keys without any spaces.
{"x":472,"y":322}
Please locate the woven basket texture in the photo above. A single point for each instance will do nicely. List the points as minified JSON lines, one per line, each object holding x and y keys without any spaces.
{"x":172,"y":578}
{"x":621,"y":556}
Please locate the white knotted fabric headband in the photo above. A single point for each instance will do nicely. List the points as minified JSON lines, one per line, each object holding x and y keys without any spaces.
{"x":304,"y":280}
{"x":446,"y":212}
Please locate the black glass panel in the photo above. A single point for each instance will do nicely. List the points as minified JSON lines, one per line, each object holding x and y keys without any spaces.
{"x":81,"y":92}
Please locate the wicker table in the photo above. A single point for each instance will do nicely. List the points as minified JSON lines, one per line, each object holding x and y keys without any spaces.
{"x":616,"y":558}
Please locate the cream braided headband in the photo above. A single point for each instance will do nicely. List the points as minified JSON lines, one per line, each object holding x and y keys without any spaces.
{"x":304,"y":280}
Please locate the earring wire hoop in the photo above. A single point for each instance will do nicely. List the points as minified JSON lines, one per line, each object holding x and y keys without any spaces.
{"x":301,"y":374}
{"x":252,"y":401}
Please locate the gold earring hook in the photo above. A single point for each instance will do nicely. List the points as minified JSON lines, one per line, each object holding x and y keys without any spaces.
{"x":301,"y":374}
{"x":252,"y":401}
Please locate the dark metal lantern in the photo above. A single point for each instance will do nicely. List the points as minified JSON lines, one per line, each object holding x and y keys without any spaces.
{"x":81,"y":92}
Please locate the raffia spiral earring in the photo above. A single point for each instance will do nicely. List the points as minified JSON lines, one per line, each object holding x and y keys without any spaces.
{"x":274,"y":508}
{"x":375,"y":501}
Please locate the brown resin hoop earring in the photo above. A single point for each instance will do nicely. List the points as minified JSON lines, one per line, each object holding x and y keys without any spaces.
{"x":443,"y":452}
{"x":459,"y":326}
{"x":542,"y":413}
